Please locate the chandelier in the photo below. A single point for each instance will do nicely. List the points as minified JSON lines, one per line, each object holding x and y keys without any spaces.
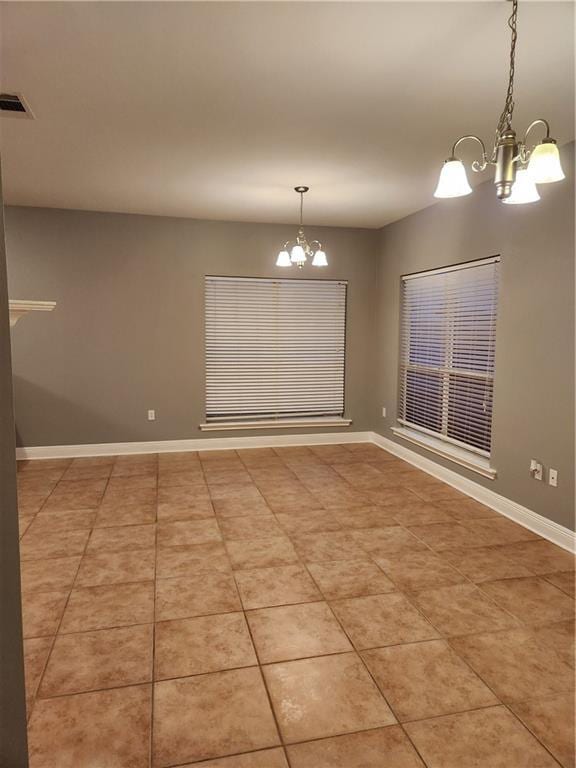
{"x":517,"y":168}
{"x":300,"y":250}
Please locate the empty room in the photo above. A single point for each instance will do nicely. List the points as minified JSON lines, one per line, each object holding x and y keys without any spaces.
{"x":287,"y":363}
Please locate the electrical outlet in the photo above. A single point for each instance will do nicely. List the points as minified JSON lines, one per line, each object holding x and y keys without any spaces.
{"x":384,"y":412}
{"x":152,"y":415}
{"x":536,"y":469}
{"x":553,"y":477}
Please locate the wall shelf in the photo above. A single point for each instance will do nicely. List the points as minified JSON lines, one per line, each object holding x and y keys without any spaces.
{"x":18,"y":308}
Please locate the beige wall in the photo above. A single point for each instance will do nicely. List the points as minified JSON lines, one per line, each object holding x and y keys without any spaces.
{"x":13,"y":746}
{"x":534,"y":383}
{"x":128,"y":332}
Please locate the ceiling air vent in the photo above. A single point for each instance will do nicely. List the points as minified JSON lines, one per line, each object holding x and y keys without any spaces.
{"x":14,"y":105}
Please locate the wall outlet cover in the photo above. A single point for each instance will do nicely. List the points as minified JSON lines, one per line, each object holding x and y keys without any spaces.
{"x":151,"y":415}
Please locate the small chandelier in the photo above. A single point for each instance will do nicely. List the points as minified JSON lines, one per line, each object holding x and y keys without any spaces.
{"x":298,"y":251}
{"x":518,"y":169}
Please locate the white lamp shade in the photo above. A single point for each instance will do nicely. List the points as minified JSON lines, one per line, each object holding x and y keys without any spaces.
{"x":320,"y":259}
{"x":297,"y":255}
{"x":523,"y":190}
{"x":453,"y":181}
{"x":283,"y":259}
{"x":544,"y":166}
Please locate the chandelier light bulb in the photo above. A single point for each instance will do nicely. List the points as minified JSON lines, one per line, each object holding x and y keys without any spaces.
{"x":544,"y":166}
{"x":283,"y":259}
{"x":319,"y":259}
{"x":523,"y":190}
{"x":297,"y":255}
{"x":453,"y":181}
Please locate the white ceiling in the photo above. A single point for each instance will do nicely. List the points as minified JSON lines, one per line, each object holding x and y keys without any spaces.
{"x":216,"y":110}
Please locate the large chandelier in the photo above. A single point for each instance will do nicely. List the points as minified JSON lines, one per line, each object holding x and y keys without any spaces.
{"x":518,"y":169}
{"x":300,"y":250}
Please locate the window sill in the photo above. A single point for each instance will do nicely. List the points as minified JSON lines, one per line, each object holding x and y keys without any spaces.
{"x":226,"y":426}
{"x":468,"y":459}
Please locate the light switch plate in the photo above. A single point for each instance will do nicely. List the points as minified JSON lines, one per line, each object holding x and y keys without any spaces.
{"x":151,"y":415}
{"x":553,"y":477}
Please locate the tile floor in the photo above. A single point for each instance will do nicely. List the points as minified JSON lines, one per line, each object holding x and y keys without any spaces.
{"x":302,"y":607}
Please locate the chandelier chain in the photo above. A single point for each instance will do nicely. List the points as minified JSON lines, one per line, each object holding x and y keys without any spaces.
{"x":506,"y":116}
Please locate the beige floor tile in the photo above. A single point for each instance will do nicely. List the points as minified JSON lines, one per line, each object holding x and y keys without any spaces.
{"x":267,"y":587}
{"x":358,"y":750}
{"x":75,"y":520}
{"x":551,"y":720}
{"x":123,"y":567}
{"x":261,"y":553}
{"x":436,"y":491}
{"x":515,"y":664}
{"x":441,"y":536}
{"x":320,"y":547}
{"x":421,"y":680}
{"x":76,"y":494}
{"x":182,"y":496}
{"x":365,"y":517}
{"x":540,"y":556}
{"x":564,"y":581}
{"x":142,"y":514}
{"x":184,"y":478}
{"x":462,"y":609}
{"x":296,"y":522}
{"x":196,"y":595}
{"x":118,"y":736}
{"x":36,"y":650}
{"x":205,"y":644}
{"x":532,"y":600}
{"x":250,"y":527}
{"x":51,"y":574}
{"x":132,"y":482}
{"x":558,"y":637}
{"x":419,"y":512}
{"x":325,"y":696}
{"x":468,"y":509}
{"x":42,"y":611}
{"x":484,"y":563}
{"x":350,"y":578}
{"x":107,"y":658}
{"x":381,"y":620}
{"x":29,"y":502}
{"x":186,"y":533}
{"x":240,"y":507}
{"x":223,"y":476}
{"x":199,"y":558}
{"x":130,"y":497}
{"x":502,"y":531}
{"x":202,"y":509}
{"x":122,"y":538}
{"x":380,"y":542}
{"x":267,"y":758}
{"x":107,"y":606}
{"x":212,"y":715}
{"x":43,"y":544}
{"x":242,"y":494}
{"x":295,"y":632}
{"x":487,"y":737}
{"x":412,"y":571}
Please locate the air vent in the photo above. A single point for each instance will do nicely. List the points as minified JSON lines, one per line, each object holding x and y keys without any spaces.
{"x":14,"y":105}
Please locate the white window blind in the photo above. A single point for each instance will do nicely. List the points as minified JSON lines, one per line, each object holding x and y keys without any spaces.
{"x":275,"y":349}
{"x":447,"y":350}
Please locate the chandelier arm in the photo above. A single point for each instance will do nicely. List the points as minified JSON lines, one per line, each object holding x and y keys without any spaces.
{"x":476,"y":165}
{"x":523,"y":151}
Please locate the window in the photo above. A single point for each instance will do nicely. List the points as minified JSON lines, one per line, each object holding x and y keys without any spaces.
{"x":275,"y":349}
{"x":447,"y":349}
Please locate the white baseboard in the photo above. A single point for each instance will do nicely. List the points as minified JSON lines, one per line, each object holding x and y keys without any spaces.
{"x":548,"y":529}
{"x":200,"y":444}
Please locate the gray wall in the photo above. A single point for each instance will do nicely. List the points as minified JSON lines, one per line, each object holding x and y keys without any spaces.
{"x":127,"y":334}
{"x":534,"y":383}
{"x":13,"y":747}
